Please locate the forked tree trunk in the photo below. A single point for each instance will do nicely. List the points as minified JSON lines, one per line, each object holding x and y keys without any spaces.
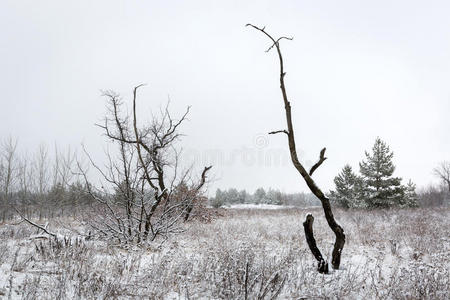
{"x":323,"y":265}
{"x":338,"y":231}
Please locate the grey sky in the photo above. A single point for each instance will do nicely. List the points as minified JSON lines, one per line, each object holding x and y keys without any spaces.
{"x":355,"y":70}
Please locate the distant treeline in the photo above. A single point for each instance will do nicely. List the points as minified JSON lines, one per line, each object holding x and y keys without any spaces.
{"x":431,"y":196}
{"x":261,"y":196}
{"x":40,"y":183}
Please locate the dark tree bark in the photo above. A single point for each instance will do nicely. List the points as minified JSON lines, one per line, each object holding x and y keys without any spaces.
{"x":338,"y":231}
{"x":196,"y":193}
{"x":322,"y":264}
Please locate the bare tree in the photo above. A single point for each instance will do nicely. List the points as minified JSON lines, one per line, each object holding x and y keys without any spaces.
{"x":143,"y":177}
{"x":443,"y":173}
{"x":432,"y":196}
{"x":55,"y":171}
{"x":63,"y":167}
{"x":307,"y":176}
{"x":25,"y":176}
{"x":42,"y":169}
{"x":9,"y":167}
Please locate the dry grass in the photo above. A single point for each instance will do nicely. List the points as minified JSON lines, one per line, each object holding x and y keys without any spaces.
{"x":396,"y":254}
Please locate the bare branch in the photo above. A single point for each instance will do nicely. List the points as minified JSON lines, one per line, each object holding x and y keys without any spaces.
{"x":139,"y":142}
{"x":275,"y":43}
{"x":322,"y":158}
{"x":203,"y":178}
{"x":34,"y":224}
{"x":279,"y":131}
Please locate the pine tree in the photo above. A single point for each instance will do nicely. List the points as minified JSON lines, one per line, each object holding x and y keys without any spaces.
{"x":381,"y":188}
{"x":411,"y":198}
{"x":232,"y":196}
{"x":348,"y":193}
{"x":243,"y":196}
{"x":219,"y":199}
{"x":274,"y":197}
{"x":259,"y":196}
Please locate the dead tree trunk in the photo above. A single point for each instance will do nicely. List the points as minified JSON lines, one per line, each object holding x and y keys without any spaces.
{"x":323,"y":265}
{"x":338,"y":231}
{"x":195,"y":194}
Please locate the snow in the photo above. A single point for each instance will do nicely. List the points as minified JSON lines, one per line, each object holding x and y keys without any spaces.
{"x":257,"y":206}
{"x":388,"y":254}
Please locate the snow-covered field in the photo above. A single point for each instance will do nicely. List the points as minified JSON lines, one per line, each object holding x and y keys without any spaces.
{"x":257,"y":206}
{"x":396,"y":254}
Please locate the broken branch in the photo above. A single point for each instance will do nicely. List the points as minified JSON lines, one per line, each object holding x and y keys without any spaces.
{"x":322,"y":158}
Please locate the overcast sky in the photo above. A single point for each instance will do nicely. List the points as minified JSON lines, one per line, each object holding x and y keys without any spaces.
{"x":355,"y":70}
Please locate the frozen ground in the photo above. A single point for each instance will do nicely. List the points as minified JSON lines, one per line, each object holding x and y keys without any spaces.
{"x":257,"y":206}
{"x":397,"y":254}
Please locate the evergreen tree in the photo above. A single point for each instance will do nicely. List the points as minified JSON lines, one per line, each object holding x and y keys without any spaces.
{"x":411,"y":199}
{"x":274,"y":197}
{"x":381,"y":188}
{"x":232,"y":196}
{"x":349,"y":189}
{"x":259,"y":196}
{"x":243,"y":196}
{"x":219,"y":199}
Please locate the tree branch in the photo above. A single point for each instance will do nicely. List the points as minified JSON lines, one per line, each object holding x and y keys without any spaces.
{"x":203,"y":179}
{"x":34,"y":224}
{"x":279,"y":131}
{"x":275,"y":43}
{"x":322,"y":158}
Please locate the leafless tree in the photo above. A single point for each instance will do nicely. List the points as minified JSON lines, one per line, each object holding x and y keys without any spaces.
{"x":307,"y":176}
{"x":26,"y":182}
{"x":432,"y":196}
{"x":9,"y":166}
{"x":42,"y":165}
{"x":26,"y":176}
{"x":63,"y":167}
{"x":23,"y":175}
{"x":443,"y":173}
{"x":140,"y":193}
